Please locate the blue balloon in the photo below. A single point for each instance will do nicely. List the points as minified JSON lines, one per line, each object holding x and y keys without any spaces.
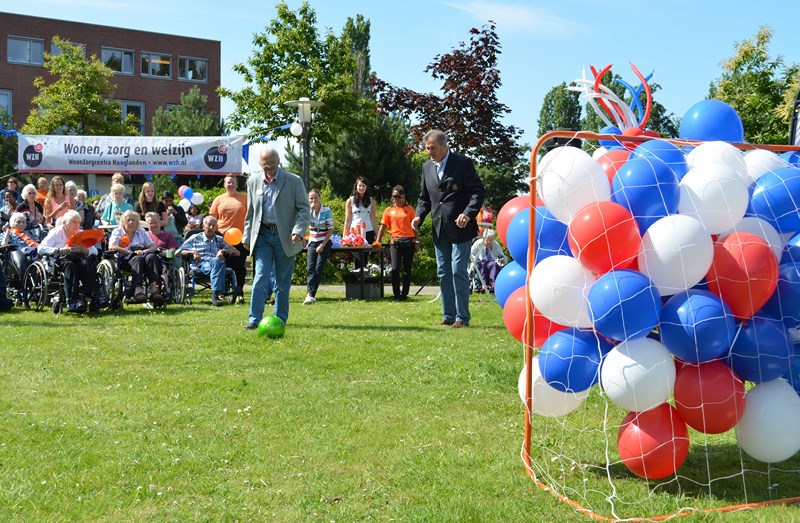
{"x":648,"y":188}
{"x":785,"y":301}
{"x":761,"y":350}
{"x":610,"y":129}
{"x":791,"y":253}
{"x":792,"y":375}
{"x":791,"y":157}
{"x":697,"y":326}
{"x":551,"y":235}
{"x":188,"y":193}
{"x":517,"y":237}
{"x":570,"y":359}
{"x":624,"y":305}
{"x":664,"y":151}
{"x":510,"y":278}
{"x":712,"y":120}
{"x":775,"y":198}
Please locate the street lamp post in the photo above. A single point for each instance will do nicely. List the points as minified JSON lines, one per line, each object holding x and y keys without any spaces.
{"x":302,"y":128}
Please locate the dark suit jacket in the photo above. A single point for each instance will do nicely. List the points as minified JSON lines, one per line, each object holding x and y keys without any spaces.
{"x":460,"y":191}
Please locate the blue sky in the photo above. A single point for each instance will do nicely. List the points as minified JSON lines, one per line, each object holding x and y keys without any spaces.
{"x":544,"y":43}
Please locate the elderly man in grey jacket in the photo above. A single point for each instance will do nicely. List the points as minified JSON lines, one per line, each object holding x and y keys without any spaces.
{"x":277,"y":217}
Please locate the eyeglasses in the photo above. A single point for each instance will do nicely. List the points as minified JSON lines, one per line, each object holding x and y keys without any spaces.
{"x":397,"y":196}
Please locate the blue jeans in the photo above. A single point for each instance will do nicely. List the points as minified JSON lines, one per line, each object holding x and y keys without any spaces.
{"x":267,"y":251}
{"x":315,"y":264}
{"x":452,"y":260}
{"x":215,"y":269}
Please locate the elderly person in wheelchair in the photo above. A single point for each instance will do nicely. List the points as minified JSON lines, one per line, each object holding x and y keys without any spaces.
{"x":77,"y":262}
{"x":25,"y":243}
{"x":208,"y":257}
{"x":138,"y":254}
{"x":486,"y":259}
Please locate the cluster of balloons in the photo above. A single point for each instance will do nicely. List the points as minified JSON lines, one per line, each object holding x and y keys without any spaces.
{"x":189,"y":197}
{"x":663,"y":273}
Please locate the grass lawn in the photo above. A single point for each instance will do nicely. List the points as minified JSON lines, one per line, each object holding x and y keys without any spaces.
{"x":363,"y":411}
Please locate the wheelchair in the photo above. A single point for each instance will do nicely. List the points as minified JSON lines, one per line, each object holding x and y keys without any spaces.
{"x":43,"y":285}
{"x":14,"y":277}
{"x":115,"y":283}
{"x":196,"y":282}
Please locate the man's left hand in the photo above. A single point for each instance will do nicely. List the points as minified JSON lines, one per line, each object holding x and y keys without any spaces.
{"x":462,"y":220}
{"x":296,"y":238}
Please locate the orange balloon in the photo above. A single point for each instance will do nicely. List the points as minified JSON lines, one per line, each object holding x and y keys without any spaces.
{"x":233,"y":236}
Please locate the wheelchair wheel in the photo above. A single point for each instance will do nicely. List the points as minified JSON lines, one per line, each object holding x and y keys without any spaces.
{"x":34,"y":286}
{"x":110,"y":284}
{"x":179,"y":286}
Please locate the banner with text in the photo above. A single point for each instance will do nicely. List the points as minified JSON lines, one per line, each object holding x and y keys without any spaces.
{"x":218,"y":155}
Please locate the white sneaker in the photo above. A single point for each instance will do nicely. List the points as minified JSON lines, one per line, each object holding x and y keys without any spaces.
{"x":309,"y":299}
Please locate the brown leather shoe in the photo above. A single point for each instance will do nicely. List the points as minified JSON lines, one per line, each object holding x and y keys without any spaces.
{"x":445,"y":322}
{"x":458,"y":324}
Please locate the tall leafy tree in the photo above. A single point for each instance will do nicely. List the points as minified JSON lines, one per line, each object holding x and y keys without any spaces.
{"x":756,"y":85}
{"x":469,"y":109}
{"x":79,"y":97}
{"x":561,"y":109}
{"x":357,"y":34}
{"x":190,"y":118}
{"x":289,"y":61}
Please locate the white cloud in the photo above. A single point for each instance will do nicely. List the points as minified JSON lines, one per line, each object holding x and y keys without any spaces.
{"x":512,"y":17}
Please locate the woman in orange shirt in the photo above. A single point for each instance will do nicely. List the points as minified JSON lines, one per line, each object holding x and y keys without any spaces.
{"x":397,"y":219}
{"x":230,"y":210}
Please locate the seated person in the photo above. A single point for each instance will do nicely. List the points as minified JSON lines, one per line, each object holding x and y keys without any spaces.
{"x":113,"y":211}
{"x":487,"y":257}
{"x":208,"y":256}
{"x":12,"y":184}
{"x":78,"y":263}
{"x":176,"y":216}
{"x":9,"y":203}
{"x":34,"y":213}
{"x":137,"y":253}
{"x":194,"y":222}
{"x":106,"y":199}
{"x":86,"y":209}
{"x":26,"y":243}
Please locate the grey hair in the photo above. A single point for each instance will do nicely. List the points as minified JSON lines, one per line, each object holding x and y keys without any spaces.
{"x":489,"y":233}
{"x":16,"y":216}
{"x":69,"y":216}
{"x":29,"y":188}
{"x":70,"y":185}
{"x":435,"y":135}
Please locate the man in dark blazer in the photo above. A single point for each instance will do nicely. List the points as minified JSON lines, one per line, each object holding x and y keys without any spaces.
{"x":452,"y":193}
{"x":277,"y":217}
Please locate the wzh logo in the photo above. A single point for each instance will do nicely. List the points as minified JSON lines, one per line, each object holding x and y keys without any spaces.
{"x":216,"y":157}
{"x":32,"y":156}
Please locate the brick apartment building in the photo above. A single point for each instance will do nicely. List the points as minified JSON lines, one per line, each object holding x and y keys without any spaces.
{"x":152,"y":69}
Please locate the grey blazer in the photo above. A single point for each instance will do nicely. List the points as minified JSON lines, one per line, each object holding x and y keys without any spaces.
{"x":292,"y":211}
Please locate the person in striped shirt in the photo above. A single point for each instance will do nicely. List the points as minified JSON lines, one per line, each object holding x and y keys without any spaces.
{"x":319,"y":243}
{"x":208,"y":256}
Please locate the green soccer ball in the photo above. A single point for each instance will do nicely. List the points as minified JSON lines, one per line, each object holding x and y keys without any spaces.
{"x":271,"y":327}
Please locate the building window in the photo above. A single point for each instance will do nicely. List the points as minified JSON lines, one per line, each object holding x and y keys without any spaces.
{"x":156,"y":64}
{"x":5,"y":102}
{"x":136,"y":109}
{"x":118,"y":60}
{"x":193,"y":69}
{"x":55,"y":50}
{"x":25,"y":51}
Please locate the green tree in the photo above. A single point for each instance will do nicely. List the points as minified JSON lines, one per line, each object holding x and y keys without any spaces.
{"x":290,"y":61}
{"x":190,"y":118}
{"x":357,"y":34}
{"x":756,"y":86}
{"x":79,"y":100}
{"x":561,"y":109}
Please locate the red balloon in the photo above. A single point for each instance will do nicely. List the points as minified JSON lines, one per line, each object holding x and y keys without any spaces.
{"x":709,"y":397}
{"x":653,"y":444}
{"x":604,"y":236}
{"x":612,"y":160}
{"x":508,"y":211}
{"x":514,"y":317}
{"x":744,"y":273}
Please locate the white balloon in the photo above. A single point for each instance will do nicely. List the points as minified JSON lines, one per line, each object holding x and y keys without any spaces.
{"x":717,"y":152}
{"x":545,"y":400}
{"x":760,"y":162}
{"x":185,"y":204}
{"x":762,"y":229}
{"x":600,"y":151}
{"x":197,"y":198}
{"x":715,"y":194}
{"x":676,"y":253}
{"x":559,"y":287}
{"x":569,"y":179}
{"x":638,"y":374}
{"x":769,"y":429}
